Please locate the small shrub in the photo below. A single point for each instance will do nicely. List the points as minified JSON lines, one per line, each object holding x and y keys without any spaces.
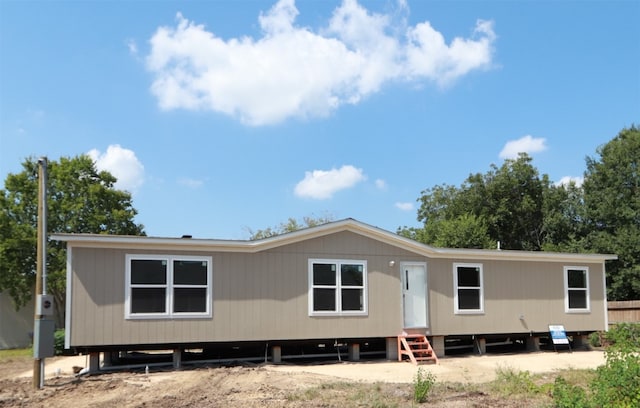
{"x":624,"y":337}
{"x":422,"y":384}
{"x":566,"y":395}
{"x":594,"y":339}
{"x":58,"y":342}
{"x":617,"y":383}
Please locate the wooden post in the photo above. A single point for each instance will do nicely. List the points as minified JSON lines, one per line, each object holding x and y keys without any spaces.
{"x":41,"y":259}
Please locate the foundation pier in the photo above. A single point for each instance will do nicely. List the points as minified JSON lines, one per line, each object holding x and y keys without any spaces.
{"x":94,"y":363}
{"x":354,"y":352}
{"x":437,"y":344}
{"x":177,"y":358}
{"x":276,"y":354}
{"x":533,"y":343}
{"x":481,"y":345}
{"x":392,"y":348}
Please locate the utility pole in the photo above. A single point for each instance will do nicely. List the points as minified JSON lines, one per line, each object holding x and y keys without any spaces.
{"x":43,"y":328}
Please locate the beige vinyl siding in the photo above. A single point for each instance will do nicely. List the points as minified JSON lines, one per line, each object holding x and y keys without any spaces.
{"x":533,"y":290}
{"x":261,"y":296}
{"x":16,"y":326}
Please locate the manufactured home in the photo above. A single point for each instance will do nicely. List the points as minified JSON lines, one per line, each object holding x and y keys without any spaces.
{"x":344,"y":281}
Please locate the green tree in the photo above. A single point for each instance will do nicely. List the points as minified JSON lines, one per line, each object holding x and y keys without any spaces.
{"x":80,"y":199}
{"x":291,"y":225}
{"x":437,"y":206}
{"x":612,"y":211}
{"x":563,"y":221}
{"x":510,"y":199}
{"x":505,"y":204}
{"x":464,"y":231}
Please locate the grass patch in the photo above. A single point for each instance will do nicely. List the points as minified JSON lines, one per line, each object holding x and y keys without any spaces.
{"x":12,"y":354}
{"x":574,"y":376}
{"x":513,"y":382}
{"x":377,"y":395}
{"x":511,"y":387}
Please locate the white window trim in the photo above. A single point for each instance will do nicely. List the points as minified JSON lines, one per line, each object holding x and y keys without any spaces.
{"x":457,"y":310}
{"x":567,"y":309}
{"x":169,"y":285}
{"x":339,"y":311}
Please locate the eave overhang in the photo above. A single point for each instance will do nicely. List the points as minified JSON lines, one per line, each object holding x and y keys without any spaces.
{"x":351,"y":225}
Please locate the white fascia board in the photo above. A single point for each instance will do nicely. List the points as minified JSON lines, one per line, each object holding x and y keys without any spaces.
{"x":510,"y":255}
{"x":130,"y":241}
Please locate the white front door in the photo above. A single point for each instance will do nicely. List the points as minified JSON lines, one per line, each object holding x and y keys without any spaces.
{"x":414,"y":294}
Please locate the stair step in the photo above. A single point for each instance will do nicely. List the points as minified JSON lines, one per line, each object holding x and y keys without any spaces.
{"x":430,"y":360}
{"x":417,"y":348}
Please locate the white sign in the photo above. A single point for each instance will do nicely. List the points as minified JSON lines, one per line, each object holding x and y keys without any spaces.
{"x":558,"y":335}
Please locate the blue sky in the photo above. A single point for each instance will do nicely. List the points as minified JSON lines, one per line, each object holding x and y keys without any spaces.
{"x":222,"y":117}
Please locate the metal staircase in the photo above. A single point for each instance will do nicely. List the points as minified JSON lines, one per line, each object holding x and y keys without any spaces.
{"x":417,"y":348}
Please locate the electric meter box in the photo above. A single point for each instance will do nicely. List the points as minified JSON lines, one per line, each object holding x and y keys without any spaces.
{"x":44,"y":305}
{"x":43,"y":338}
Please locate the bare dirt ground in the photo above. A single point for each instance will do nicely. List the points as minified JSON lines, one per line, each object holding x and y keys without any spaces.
{"x":459,"y":383}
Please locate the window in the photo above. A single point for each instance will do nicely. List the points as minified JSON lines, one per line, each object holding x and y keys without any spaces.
{"x":467,"y":286}
{"x":337,"y":287}
{"x":166,"y":286}
{"x":576,"y":289}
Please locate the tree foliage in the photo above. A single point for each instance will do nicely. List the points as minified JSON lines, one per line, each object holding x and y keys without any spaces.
{"x":563,"y":217}
{"x":291,"y":225}
{"x":80,"y":199}
{"x":514,"y":205}
{"x":504,"y":205}
{"x":612,"y":210}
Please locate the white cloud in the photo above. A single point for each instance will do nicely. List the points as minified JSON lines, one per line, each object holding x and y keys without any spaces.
{"x":191,"y":183}
{"x":321,"y":184}
{"x":566,"y":180}
{"x":121,"y":163}
{"x":526,"y":144}
{"x":132,"y":46}
{"x":293,"y":71}
{"x":429,"y":56}
{"x":404,"y":206}
{"x":381,"y":184}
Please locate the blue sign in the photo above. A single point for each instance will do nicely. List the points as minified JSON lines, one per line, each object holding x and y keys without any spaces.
{"x":558,"y":334}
